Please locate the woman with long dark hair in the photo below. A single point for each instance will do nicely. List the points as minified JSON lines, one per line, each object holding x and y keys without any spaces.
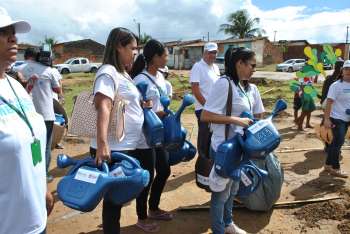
{"x":240,"y":65}
{"x":146,"y":69}
{"x":112,"y":77}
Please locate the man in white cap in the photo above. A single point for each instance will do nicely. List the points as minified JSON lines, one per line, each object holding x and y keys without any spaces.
{"x":203,"y":75}
{"x":24,"y":200}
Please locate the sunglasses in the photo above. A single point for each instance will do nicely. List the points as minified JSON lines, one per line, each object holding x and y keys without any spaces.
{"x":253,"y":65}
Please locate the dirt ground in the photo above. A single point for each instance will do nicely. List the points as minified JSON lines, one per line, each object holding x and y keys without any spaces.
{"x":303,"y":180}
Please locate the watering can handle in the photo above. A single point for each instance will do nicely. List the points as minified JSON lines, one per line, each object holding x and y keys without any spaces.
{"x":91,"y":163}
{"x":117,"y":156}
{"x":347,"y":111}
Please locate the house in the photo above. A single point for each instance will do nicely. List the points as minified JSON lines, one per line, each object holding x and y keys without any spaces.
{"x":21,"y":49}
{"x":81,"y":48}
{"x":187,"y":54}
{"x":177,"y":56}
{"x":295,"y":48}
{"x":292,"y":49}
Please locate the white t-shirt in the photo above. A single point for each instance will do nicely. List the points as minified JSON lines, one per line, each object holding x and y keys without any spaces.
{"x":22,"y":185}
{"x":153,"y":94}
{"x":216,"y":103}
{"x":42,"y":90}
{"x":59,"y":78}
{"x":152,"y":91}
{"x":206,"y":76}
{"x":339,"y":92}
{"x":169,"y":88}
{"x":133,"y":111}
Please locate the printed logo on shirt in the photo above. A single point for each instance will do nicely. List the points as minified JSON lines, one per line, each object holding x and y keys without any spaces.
{"x":347,"y":91}
{"x":5,"y":110}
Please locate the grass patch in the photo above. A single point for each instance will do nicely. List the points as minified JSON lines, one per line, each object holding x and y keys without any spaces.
{"x":270,"y":67}
{"x":270,"y":90}
{"x":72,"y":89}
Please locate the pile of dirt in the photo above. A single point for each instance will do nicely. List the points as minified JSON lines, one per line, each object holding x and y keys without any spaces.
{"x":344,"y":227}
{"x":326,"y":210}
{"x":334,"y":210}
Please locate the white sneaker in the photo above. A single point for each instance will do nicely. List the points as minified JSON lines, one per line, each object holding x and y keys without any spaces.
{"x":234,"y":229}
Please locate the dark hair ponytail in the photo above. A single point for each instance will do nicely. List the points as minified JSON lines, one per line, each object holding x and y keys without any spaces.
{"x":152,"y":48}
{"x":232,"y":56}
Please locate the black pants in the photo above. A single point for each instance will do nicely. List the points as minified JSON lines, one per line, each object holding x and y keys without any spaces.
{"x":204,"y":136}
{"x":49,"y":129}
{"x":111,"y":212}
{"x":162,"y":174}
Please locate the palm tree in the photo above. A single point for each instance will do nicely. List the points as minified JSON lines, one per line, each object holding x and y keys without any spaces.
{"x":144,"y":38}
{"x":241,"y":25}
{"x":50,"y":40}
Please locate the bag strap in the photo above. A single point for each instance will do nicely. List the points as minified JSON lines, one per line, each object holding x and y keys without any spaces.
{"x":228,"y":105}
{"x":161,"y":92}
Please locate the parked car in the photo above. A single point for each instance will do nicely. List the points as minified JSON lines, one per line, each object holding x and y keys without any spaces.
{"x":77,"y":65}
{"x":220,"y":61}
{"x":14,"y":66}
{"x":291,"y":65}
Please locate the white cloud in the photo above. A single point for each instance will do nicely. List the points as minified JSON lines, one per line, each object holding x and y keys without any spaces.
{"x":299,"y":22}
{"x":169,"y":19}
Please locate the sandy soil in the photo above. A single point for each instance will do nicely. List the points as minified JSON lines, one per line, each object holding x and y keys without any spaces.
{"x":303,"y":180}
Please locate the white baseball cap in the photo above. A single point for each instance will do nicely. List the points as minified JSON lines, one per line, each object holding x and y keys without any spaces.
{"x":20,"y":25}
{"x":346,"y":64}
{"x":164,"y":69}
{"x":211,"y":46}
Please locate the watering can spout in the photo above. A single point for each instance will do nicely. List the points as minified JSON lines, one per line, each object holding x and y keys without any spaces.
{"x":187,"y":101}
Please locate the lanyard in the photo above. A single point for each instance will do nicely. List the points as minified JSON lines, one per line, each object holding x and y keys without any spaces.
{"x":21,"y":113}
{"x":245,"y":94}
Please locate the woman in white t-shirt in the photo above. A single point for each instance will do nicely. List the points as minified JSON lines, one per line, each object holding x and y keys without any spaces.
{"x":24,"y":200}
{"x":146,"y":69}
{"x":239,"y":67}
{"x":112,"y":75}
{"x":335,"y":117}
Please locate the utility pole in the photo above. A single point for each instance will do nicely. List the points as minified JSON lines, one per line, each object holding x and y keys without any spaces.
{"x":208,"y":36}
{"x":274,"y":37}
{"x":139,"y":32}
{"x":139,"y":29}
{"x":346,"y":43}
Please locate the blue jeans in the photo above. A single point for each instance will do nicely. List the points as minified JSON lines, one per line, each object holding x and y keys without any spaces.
{"x":221,"y":205}
{"x":333,"y":150}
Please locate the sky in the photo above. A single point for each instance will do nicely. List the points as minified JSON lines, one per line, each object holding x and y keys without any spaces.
{"x":318,"y":21}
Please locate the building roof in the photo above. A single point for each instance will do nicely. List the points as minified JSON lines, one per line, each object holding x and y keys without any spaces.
{"x":24,"y":46}
{"x":72,"y":43}
{"x":229,"y":40}
{"x":292,"y":42}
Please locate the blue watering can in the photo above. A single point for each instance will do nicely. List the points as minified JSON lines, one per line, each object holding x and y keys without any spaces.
{"x":262,"y":137}
{"x":86,"y":184}
{"x":258,"y":141}
{"x":186,"y":153}
{"x":173,"y":132}
{"x":152,"y":127}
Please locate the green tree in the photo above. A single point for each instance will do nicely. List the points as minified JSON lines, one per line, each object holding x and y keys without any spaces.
{"x":240,"y":25}
{"x":50,"y":40}
{"x":144,"y":38}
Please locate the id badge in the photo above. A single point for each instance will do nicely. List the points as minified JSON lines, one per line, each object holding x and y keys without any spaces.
{"x":36,"y":152}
